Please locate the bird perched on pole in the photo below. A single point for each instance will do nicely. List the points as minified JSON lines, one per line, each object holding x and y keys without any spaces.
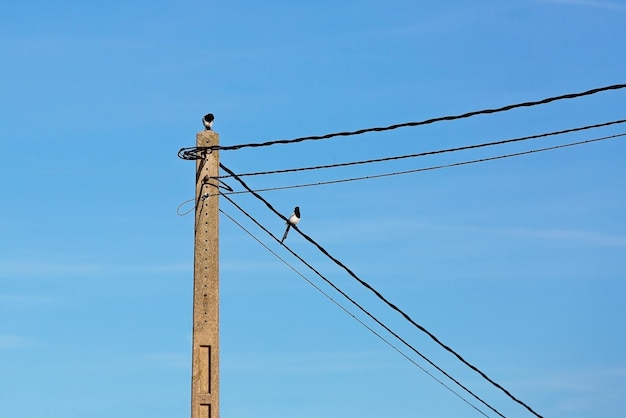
{"x":207,"y":120}
{"x":293,"y":220}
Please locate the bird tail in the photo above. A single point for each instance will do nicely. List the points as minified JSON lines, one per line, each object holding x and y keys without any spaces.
{"x":286,"y":232}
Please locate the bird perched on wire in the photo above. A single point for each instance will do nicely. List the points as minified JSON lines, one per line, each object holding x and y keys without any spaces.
{"x":293,"y":220}
{"x":207,"y":120}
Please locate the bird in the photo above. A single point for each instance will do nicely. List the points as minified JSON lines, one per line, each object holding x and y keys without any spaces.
{"x":207,"y":120}
{"x":293,"y":220}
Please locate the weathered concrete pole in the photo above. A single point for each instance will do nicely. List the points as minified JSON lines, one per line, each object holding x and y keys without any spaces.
{"x":205,"y":346}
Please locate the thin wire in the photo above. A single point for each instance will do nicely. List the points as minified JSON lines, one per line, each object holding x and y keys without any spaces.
{"x":179,"y":213}
{"x":360,"y":307}
{"x":370,"y":329}
{"x":381,"y":297}
{"x":437,"y":167}
{"x":422,"y":154}
{"x":411,"y":124}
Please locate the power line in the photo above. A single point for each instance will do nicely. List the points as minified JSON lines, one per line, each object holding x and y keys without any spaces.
{"x":362,"y":309}
{"x":193,"y":153}
{"x":381,"y":297}
{"x":422,"y":154}
{"x":344,"y":309}
{"x":397,"y":173}
{"x":437,"y":167}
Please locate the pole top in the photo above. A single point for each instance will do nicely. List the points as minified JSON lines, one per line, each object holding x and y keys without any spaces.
{"x":207,"y":138}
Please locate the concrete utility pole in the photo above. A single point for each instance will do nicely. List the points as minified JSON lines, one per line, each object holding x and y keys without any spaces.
{"x":205,"y":346}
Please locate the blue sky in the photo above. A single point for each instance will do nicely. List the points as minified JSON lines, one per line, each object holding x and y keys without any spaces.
{"x":518,"y":264}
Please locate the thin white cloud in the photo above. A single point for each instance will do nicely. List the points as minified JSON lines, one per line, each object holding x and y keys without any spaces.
{"x":13,"y":341}
{"x":69,"y":268}
{"x":584,"y":237}
{"x":169,"y":359}
{"x":591,"y":3}
{"x":307,"y":363}
{"x":45,"y":267}
{"x":25,"y":300}
{"x":576,"y":390}
{"x":374,"y":231}
{"x":167,"y":268}
{"x":272,"y":265}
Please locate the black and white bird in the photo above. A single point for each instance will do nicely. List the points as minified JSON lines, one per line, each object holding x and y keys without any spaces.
{"x":293,"y":220}
{"x":207,"y":120}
